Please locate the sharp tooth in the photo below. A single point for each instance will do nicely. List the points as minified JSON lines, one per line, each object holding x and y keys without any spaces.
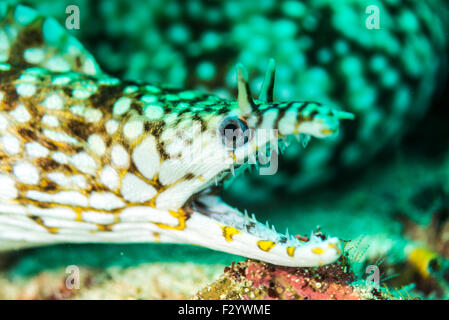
{"x":268,"y":225}
{"x":286,"y":233}
{"x":298,"y":137}
{"x":216,"y":181}
{"x":281,"y":149}
{"x":253,"y":216}
{"x":273,"y":228}
{"x":246,"y":214}
{"x":232,"y":171}
{"x":304,"y":138}
{"x":252,"y":159}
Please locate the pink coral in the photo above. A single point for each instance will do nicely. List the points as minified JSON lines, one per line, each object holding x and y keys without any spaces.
{"x":258,"y":280}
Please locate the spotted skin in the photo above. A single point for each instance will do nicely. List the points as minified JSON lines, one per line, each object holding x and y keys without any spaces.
{"x":85,"y":157}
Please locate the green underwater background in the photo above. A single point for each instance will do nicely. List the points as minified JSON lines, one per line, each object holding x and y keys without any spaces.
{"x":383,"y":183}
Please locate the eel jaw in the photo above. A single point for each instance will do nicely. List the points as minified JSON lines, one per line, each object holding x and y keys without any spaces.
{"x":216,"y":225}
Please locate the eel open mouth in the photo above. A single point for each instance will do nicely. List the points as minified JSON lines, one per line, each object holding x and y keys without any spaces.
{"x":227,"y":229}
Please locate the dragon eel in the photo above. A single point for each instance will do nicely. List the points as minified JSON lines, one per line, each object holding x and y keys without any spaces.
{"x":85,"y":157}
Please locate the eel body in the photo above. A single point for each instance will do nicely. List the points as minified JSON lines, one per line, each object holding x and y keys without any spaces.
{"x":86,"y":157}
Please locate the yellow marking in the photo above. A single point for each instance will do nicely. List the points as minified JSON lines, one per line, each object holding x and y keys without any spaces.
{"x":201,"y":178}
{"x":79,"y":216}
{"x":420,"y":258}
{"x":333,"y":245}
{"x":326,"y":131}
{"x":180,"y":215}
{"x":291,"y":251}
{"x":229,"y":232}
{"x":317,"y":250}
{"x":101,"y":227}
{"x":157,"y":237}
{"x":266,"y":245}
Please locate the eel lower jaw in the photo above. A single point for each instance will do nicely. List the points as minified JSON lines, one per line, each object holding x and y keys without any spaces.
{"x":225,"y":228}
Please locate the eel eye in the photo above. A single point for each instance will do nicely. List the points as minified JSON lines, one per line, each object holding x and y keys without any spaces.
{"x":234,"y":132}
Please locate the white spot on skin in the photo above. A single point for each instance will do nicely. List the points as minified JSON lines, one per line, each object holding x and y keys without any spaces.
{"x":268,"y":119}
{"x":146,"y":157}
{"x":110,"y":178}
{"x":50,"y":120}
{"x":73,"y":198}
{"x":153,"y":112}
{"x":36,"y":150}
{"x":77,"y":109}
{"x":21,"y":114}
{"x":26,"y":173}
{"x":60,"y":157}
{"x":84,"y":162}
{"x":135,"y":190}
{"x":119,"y":156}
{"x":111,"y":126}
{"x":25,"y":89}
{"x":61,"y":80}
{"x":97,"y":217}
{"x":96,"y":144}
{"x":57,"y":64}
{"x":89,"y":114}
{"x":121,"y":106}
{"x":59,"y":136}
{"x":89,"y":67}
{"x":81,"y":93}
{"x":4,"y":46}
{"x":105,"y":200}
{"x":133,"y":129}
{"x":34,"y":55}
{"x":287,"y":124}
{"x":92,"y":115}
{"x":7,"y":188}
{"x":57,"y":212}
{"x":53,"y":102}
{"x":76,"y":181}
{"x":59,"y":178}
{"x":10,"y":144}
{"x":131,"y":89}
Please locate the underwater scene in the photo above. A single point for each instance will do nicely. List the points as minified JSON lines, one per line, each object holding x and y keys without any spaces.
{"x":224,"y":150}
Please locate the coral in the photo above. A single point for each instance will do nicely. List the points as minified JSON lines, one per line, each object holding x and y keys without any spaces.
{"x":252,"y":280}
